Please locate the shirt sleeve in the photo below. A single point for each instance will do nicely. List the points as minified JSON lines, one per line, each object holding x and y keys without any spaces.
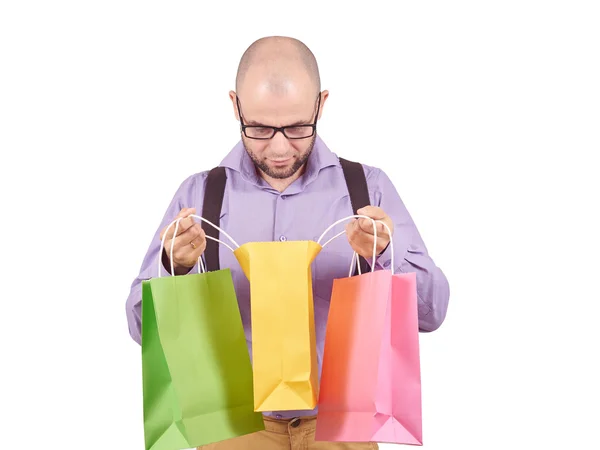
{"x":185,"y":197}
{"x":411,"y":255}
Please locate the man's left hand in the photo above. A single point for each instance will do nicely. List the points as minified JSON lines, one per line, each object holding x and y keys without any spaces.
{"x":360,"y":231}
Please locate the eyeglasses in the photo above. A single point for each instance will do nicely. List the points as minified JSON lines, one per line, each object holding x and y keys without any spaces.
{"x":263,"y":132}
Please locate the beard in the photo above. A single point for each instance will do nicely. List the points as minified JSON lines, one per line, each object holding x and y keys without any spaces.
{"x":283,"y":173}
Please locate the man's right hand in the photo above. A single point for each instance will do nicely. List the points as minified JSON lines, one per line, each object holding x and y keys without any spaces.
{"x":190,"y":242}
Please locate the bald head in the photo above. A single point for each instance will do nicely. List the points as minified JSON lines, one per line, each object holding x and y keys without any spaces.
{"x":279,"y":64}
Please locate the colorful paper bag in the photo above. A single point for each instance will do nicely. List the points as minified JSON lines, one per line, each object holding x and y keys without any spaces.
{"x":370,"y":383}
{"x":197,"y":376}
{"x":284,"y":354}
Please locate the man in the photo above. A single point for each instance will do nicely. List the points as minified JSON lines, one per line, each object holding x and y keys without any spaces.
{"x":285,"y":184}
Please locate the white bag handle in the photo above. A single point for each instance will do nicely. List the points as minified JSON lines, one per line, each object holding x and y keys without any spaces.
{"x":354,"y":256}
{"x":355,"y":259}
{"x":200,"y":263}
{"x":201,"y":266}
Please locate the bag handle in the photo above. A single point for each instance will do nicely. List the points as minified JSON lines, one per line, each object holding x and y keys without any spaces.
{"x":201,"y":266}
{"x":354,"y":256}
{"x":176,"y":222}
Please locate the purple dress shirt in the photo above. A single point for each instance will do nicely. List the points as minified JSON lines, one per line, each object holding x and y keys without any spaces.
{"x":254,"y":211}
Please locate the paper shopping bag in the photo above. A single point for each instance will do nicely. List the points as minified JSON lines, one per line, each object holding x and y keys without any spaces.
{"x":197,"y":376}
{"x":284,"y":355}
{"x":370,"y":382}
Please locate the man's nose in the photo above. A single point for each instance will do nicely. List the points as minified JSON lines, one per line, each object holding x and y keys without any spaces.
{"x":279,"y":141}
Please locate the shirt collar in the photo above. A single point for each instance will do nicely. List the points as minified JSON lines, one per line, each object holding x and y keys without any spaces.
{"x":321,"y":157}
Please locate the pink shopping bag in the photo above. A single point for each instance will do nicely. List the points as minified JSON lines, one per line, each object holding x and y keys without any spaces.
{"x":371,"y":383}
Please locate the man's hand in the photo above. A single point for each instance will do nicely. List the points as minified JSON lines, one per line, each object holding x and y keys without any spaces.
{"x":360,"y":231}
{"x":190,"y":241}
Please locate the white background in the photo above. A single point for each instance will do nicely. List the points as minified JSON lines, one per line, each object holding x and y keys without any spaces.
{"x":484,"y":114}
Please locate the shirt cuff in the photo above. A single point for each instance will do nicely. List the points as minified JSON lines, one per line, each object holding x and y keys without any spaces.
{"x":166,"y":266}
{"x":383,"y":260}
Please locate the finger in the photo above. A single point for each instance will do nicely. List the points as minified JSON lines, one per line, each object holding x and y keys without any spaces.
{"x":185,"y":255}
{"x":366,"y":226}
{"x":362,"y":242}
{"x":184,"y":224}
{"x":351,"y":229}
{"x":185,"y":212}
{"x":189,"y":246}
{"x":186,"y":221}
{"x":193,"y":234}
{"x":374,"y":212}
{"x":356,"y":235}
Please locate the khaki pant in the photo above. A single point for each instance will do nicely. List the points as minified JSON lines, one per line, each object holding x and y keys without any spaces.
{"x":291,"y":434}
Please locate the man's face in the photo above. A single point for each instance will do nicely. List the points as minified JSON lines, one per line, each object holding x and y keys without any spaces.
{"x":278,"y":157}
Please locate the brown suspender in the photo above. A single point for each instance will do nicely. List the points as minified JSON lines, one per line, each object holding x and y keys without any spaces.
{"x":211,"y":211}
{"x":215,"y":191}
{"x":359,"y":195}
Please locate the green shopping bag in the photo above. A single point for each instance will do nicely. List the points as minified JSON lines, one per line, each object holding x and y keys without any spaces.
{"x":197,"y":375}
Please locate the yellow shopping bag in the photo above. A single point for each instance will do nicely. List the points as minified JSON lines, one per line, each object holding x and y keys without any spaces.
{"x":284,"y":354}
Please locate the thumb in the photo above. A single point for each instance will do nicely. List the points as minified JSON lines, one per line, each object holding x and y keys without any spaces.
{"x":185,"y":212}
{"x":374,"y":212}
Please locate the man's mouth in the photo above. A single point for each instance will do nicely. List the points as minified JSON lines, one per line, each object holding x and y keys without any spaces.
{"x":280,"y":161}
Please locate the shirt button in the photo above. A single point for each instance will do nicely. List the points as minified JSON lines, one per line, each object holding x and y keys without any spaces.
{"x":282,"y":238}
{"x":279,"y":416}
{"x":283,"y":197}
{"x":387,"y":263}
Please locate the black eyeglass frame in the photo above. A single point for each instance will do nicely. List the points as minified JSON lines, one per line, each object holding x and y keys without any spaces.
{"x":276,"y":129}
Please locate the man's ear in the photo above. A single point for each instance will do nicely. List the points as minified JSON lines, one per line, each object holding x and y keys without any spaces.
{"x":324,"y":97}
{"x":233,"y":97}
